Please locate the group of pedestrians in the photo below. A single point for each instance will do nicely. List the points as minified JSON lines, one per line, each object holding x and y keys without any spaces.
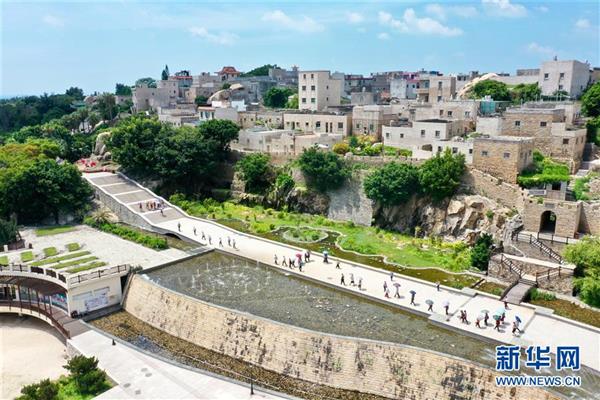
{"x":352,"y":281}
{"x":299,"y":259}
{"x":152,"y":205}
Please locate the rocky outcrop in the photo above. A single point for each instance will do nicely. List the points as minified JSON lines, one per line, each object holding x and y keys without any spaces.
{"x":462,"y":217}
{"x":100,"y":150}
{"x":350,"y":203}
{"x":303,"y":200}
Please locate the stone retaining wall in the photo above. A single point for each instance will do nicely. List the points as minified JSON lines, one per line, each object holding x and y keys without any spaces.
{"x":509,"y":195}
{"x":350,"y":203}
{"x":123,"y":212}
{"x":380,"y":368}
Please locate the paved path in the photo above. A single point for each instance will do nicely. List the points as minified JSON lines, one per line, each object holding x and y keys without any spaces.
{"x":535,"y":323}
{"x":140,"y":376}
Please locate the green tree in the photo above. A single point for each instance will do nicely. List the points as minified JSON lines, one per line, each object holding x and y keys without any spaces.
{"x":323,"y":170}
{"x":226,"y":85}
{"x":590,"y":101}
{"x":165,"y":73}
{"x":588,"y":287}
{"x":440,"y":176}
{"x":44,"y":189}
{"x":292,"y":102}
{"x":146,"y":81}
{"x":75,"y":92}
{"x":8,"y":231}
{"x":481,"y":252}
{"x":392,"y":184}
{"x":496,"y":90}
{"x":88,"y":378}
{"x":277,"y":97}
{"x":260,"y":71}
{"x":106,"y":106}
{"x":200,"y":100}
{"x":525,"y":92}
{"x":122,"y":90}
{"x":256,"y":171}
{"x":43,"y":390}
{"x":221,"y":131}
{"x":585,"y":254}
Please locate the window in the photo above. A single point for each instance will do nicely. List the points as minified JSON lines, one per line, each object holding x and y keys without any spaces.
{"x":506,"y":155}
{"x":467,"y":114}
{"x":422,"y":132}
{"x":562,"y":75}
{"x":387,"y":135}
{"x":439,"y":149}
{"x":517,"y":123}
{"x":303,"y":87}
{"x":439,"y":98}
{"x":318,"y":124}
{"x":565,"y":141}
{"x":402,"y":136}
{"x":470,"y":151}
{"x":440,"y":85}
{"x":340,"y":125}
{"x":312,"y":87}
{"x":441,"y":113}
{"x":484,"y":153}
{"x":304,"y":99}
{"x":312,"y":76}
{"x":326,"y":98}
{"x":546,"y":77}
{"x":304,"y":76}
{"x":454,"y":150}
{"x":560,"y":87}
{"x":543,"y":124}
{"x":312,"y":100}
{"x":327,"y":87}
{"x":449,"y":113}
{"x":437,"y":134}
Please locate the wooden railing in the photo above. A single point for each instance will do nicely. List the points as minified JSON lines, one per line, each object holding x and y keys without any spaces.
{"x":508,"y":263}
{"x":534,"y":241}
{"x":551,"y":273}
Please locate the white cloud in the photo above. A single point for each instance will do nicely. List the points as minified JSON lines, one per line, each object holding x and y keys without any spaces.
{"x":53,"y":21}
{"x":533,"y":47}
{"x":504,"y":8}
{"x":583,"y":24}
{"x":355,"y":18}
{"x":543,"y":9}
{"x":442,"y":12}
{"x":411,"y":23}
{"x":224,"y":38}
{"x":383,"y":36}
{"x":299,"y":24}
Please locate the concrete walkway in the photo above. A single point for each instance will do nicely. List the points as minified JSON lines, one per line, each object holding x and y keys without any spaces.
{"x":140,"y":376}
{"x":535,"y":321}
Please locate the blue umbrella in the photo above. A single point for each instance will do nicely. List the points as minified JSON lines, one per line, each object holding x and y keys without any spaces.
{"x":518,"y":319}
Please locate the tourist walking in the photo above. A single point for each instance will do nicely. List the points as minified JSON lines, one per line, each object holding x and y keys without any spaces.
{"x":397,"y":294}
{"x":514,"y":328}
{"x":220,"y":242}
{"x":430,"y":308}
{"x":385,"y":287}
{"x":352,"y":279}
{"x":179,"y":226}
{"x":275,"y":258}
{"x":497,"y":327}
{"x":486,"y":318}
{"x":194,"y":230}
{"x":300,"y":265}
{"x":392,"y":276}
{"x":359,"y":283}
{"x":412,"y":297}
{"x":437,"y":286}
{"x":505,"y":304}
{"x":209,"y":240}
{"x":343,"y":280}
{"x":292,"y":262}
{"x":233,"y":243}
{"x":465,"y":317}
{"x":228,"y":241}
{"x":203,"y":236}
{"x":337,"y":265}
{"x":446,"y":305}
{"x":141,"y":208}
{"x":306,"y":256}
{"x":517,"y":323}
{"x":283,"y":262}
{"x":387,"y":293}
{"x":478,"y":321}
{"x":162,"y":213}
{"x":326,"y":257}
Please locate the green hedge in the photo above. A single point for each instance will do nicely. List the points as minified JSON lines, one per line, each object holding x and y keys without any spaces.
{"x":544,"y":171}
{"x":130,"y":234}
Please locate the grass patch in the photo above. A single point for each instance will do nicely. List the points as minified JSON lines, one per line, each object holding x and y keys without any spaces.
{"x":27,"y":256}
{"x":92,"y":265}
{"x":399,"y":248}
{"x":538,"y":295}
{"x":50,"y":251}
{"x":54,"y":230}
{"x":132,"y":235}
{"x":544,"y":171}
{"x":491,"y":288}
{"x":570,"y":310}
{"x":4,"y":260}
{"x":53,"y":260}
{"x":78,"y":262}
{"x":73,"y":246}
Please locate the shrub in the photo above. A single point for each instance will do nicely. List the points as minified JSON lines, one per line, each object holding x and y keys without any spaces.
{"x":544,"y":171}
{"x":152,"y":242}
{"x":341,"y":148}
{"x":392,"y":184}
{"x":8,"y":231}
{"x":85,"y":373}
{"x":284,"y":183}
{"x":481,"y":252}
{"x":589,"y":288}
{"x":535,"y":294}
{"x":43,"y":390}
{"x":256,"y":171}
{"x":324,"y":170}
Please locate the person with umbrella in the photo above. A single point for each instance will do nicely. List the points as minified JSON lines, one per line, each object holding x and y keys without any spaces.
{"x":446,"y":305}
{"x":497,"y":319}
{"x":478,"y":320}
{"x":430,"y":304}
{"x":352,"y":279}
{"x":486,"y":317}
{"x":412,"y":297}
{"x":397,"y":285}
{"x":387,"y":293}
{"x":517,"y":323}
{"x":326,"y":257}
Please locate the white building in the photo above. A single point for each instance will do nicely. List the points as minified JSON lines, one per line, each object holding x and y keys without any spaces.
{"x":282,"y":141}
{"x":402,"y":88}
{"x":317,"y":90}
{"x":570,"y":75}
{"x":318,"y":122}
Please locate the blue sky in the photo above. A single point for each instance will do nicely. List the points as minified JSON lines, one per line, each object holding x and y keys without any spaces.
{"x":49,"y":46}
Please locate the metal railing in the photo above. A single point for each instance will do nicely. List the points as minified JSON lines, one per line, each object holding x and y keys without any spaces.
{"x":508,"y":263}
{"x":28,"y":269}
{"x":534,"y":241}
{"x":77,"y":279}
{"x":551,"y":273}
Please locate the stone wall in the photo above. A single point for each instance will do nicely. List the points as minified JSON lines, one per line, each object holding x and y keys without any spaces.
{"x":350,"y":203}
{"x":590,"y":218}
{"x":568,"y":214}
{"x":380,"y":368}
{"x":123,"y":212}
{"x":509,"y":195}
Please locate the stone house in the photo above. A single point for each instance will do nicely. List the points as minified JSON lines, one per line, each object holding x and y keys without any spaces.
{"x":270,"y":119}
{"x":504,"y":157}
{"x":571,"y":76}
{"x":282,"y":141}
{"x":318,"y":122}
{"x":434,"y":88}
{"x":369,"y":119}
